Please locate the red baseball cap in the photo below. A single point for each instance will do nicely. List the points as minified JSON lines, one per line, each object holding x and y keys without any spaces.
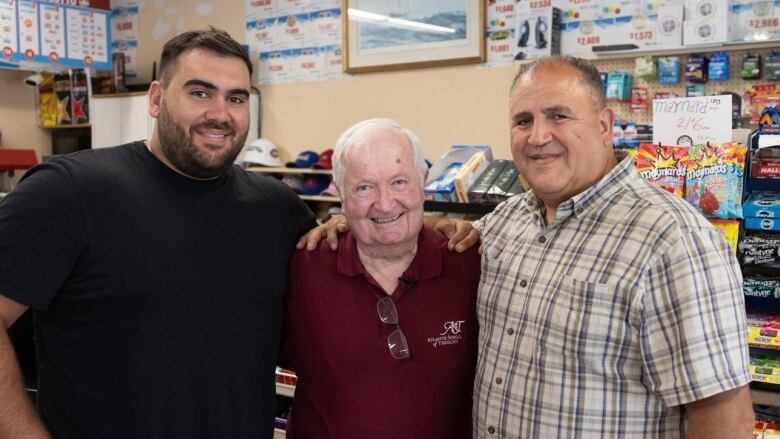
{"x":325,"y":161}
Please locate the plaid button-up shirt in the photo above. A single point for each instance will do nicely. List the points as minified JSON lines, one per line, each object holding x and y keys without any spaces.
{"x":605,"y":322}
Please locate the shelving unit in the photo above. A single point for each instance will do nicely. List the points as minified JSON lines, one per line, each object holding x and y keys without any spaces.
{"x":283,"y":170}
{"x":68,"y":127}
{"x":430,"y":206}
{"x":765,"y":397}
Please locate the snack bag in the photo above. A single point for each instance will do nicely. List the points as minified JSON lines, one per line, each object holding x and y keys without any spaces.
{"x":741,"y":157}
{"x":663,"y":166}
{"x":713,"y":178}
{"x":729,"y":229}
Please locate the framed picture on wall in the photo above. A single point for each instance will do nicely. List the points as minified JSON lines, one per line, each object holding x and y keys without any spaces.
{"x":380,"y":35}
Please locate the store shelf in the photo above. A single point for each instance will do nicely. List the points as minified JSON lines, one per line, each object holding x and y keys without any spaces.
{"x":765,"y":397}
{"x":68,"y":127}
{"x":282,"y":170}
{"x":719,"y":47}
{"x":119,"y":95}
{"x":451,"y":207}
{"x":323,"y":198}
{"x":285,"y":390}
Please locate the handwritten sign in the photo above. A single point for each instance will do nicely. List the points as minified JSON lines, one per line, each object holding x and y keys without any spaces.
{"x":692,"y":121}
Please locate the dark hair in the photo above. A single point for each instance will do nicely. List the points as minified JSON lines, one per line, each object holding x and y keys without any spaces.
{"x":589,"y":75}
{"x":213,"y":39}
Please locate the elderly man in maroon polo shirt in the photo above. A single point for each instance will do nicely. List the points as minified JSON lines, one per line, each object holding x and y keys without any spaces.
{"x":382,"y":333}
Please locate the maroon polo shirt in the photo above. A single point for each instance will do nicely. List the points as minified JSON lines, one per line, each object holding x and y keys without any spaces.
{"x":349,"y":385}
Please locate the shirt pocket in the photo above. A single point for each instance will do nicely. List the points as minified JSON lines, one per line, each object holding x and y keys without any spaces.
{"x":582,"y":326}
{"x":489,"y":291}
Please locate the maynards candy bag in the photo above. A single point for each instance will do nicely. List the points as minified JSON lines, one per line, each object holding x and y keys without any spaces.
{"x":714,"y":179}
{"x":663,"y":166}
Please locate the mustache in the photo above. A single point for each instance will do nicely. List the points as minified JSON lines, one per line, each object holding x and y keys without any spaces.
{"x":214,"y":126}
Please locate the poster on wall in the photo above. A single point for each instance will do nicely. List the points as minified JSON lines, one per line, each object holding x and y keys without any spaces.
{"x":500,"y":32}
{"x":295,"y":40}
{"x":124,"y":33}
{"x":54,"y":34}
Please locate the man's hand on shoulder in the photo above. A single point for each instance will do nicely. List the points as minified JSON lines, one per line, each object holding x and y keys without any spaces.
{"x":329,"y":231}
{"x":462,"y":234}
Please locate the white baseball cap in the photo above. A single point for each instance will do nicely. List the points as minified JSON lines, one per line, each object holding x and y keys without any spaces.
{"x":262,"y":152}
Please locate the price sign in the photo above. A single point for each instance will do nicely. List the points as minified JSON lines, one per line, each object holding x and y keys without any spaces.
{"x":691,"y":121}
{"x":641,"y":35}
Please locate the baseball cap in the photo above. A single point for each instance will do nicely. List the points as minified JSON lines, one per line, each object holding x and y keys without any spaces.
{"x":306,"y":159}
{"x":331,"y":190}
{"x":325,"y":161}
{"x":294,"y":181}
{"x":314,"y":184}
{"x":262,"y":152}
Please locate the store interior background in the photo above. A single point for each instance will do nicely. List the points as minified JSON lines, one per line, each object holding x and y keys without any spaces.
{"x":450,"y":105}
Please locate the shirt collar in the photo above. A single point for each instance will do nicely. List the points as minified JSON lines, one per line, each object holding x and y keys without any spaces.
{"x":427,"y":263}
{"x":595,"y":195}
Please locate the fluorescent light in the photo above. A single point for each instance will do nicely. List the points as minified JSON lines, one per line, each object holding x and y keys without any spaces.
{"x":357,"y":14}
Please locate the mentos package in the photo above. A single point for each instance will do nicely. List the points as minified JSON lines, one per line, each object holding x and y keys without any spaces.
{"x":663,"y":166}
{"x":713,"y":179}
{"x":729,"y":229}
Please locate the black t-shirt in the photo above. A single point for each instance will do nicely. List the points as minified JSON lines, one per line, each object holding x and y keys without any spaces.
{"x":157,"y":298}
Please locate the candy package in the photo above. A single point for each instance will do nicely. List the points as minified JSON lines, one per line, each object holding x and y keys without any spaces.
{"x":663,"y":166}
{"x":714,"y":179}
{"x":762,"y":249}
{"x":729,"y":229}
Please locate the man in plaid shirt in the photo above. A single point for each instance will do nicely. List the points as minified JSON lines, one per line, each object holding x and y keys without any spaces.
{"x":608,"y":308}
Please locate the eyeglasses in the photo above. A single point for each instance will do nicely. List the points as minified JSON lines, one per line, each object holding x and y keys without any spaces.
{"x":396,"y":341}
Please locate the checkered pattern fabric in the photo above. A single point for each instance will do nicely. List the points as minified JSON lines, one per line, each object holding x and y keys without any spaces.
{"x":604,"y":322}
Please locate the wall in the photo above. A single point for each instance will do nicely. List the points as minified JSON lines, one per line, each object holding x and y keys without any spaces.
{"x":445,"y":105}
{"x":18,"y":119}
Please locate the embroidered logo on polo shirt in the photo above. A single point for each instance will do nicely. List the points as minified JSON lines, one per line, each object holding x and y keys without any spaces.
{"x":450,"y":336}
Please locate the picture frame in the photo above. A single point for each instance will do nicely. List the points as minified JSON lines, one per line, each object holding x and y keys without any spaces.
{"x":382,"y":35}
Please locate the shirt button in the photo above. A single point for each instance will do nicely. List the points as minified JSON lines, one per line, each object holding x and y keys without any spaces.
{"x":523,"y":283}
{"x":491,"y":430}
{"x":499,"y":380}
{"x":542,"y":239}
{"x":510,"y":331}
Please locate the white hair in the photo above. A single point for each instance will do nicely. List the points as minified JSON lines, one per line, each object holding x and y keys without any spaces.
{"x":360,"y":133}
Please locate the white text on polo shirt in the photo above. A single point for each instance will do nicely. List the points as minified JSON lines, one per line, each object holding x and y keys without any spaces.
{"x":450,"y":336}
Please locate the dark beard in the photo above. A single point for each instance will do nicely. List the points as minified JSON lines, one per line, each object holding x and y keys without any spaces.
{"x":178,"y":147}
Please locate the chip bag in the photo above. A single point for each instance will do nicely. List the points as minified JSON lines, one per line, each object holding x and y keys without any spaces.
{"x":663,"y":166}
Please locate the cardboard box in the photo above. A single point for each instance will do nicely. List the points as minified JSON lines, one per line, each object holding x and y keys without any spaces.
{"x":498,"y":192}
{"x":706,"y":31}
{"x":468,"y":174}
{"x":478,"y":191}
{"x":537,"y":29}
{"x":762,"y":205}
{"x":442,"y":188}
{"x":754,"y":20}
{"x":762,"y":223}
